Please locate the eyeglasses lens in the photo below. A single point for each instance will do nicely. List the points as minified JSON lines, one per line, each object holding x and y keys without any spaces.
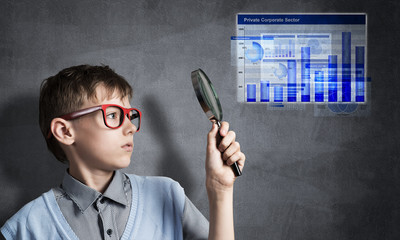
{"x":115,"y":116}
{"x":135,"y":118}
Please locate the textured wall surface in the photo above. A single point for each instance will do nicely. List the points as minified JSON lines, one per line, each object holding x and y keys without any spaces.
{"x":306,"y":177}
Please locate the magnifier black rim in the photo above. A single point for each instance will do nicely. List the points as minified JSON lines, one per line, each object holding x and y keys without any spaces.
{"x":200,"y":95}
{"x":211,"y":116}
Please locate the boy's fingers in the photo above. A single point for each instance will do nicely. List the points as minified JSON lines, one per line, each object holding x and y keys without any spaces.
{"x":233,"y":158}
{"x":231,"y":150}
{"x":223,"y":130}
{"x":227,"y":141}
{"x":237,"y":157}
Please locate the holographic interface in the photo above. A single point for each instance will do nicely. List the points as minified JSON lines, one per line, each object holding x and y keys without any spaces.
{"x":300,"y":58}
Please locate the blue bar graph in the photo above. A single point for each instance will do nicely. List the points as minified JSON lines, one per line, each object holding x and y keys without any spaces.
{"x":291,"y":83}
{"x":319,"y":86}
{"x":316,"y":61}
{"x":360,"y":74}
{"x":332,"y":78}
{"x":305,"y":74}
{"x":280,"y":50}
{"x":291,"y":48}
{"x":346,"y":66}
{"x":278,"y":93}
{"x":264,"y":91}
{"x":251,"y":92}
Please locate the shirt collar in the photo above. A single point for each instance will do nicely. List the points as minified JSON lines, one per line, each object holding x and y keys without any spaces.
{"x":116,"y":191}
{"x":84,"y":196}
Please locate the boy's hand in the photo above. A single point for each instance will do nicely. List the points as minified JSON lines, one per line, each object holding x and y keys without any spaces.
{"x":219,"y":159}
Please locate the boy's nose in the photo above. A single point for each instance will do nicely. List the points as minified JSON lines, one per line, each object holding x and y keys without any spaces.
{"x":128,"y":126}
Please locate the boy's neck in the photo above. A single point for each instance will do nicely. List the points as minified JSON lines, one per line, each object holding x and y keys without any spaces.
{"x":98,"y":180}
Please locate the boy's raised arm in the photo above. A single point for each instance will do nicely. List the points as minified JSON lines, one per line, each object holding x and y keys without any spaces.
{"x":220,"y":179}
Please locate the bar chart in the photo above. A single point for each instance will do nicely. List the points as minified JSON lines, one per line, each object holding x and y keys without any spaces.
{"x":320,"y":59}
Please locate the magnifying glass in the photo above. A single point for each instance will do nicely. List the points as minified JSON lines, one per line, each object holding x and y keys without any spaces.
{"x":210,"y":104}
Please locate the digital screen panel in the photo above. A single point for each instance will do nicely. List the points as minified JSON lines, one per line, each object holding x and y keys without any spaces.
{"x":300,"y":58}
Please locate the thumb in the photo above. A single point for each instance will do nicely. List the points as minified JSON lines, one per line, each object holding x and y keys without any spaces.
{"x":212,"y":136}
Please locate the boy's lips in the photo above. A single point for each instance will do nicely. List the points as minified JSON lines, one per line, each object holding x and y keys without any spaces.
{"x":128,"y":147}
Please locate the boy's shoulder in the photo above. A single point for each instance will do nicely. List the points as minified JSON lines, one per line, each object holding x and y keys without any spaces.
{"x":154,"y":182}
{"x":35,"y":216}
{"x":151,"y":179}
{"x":163,"y":187}
{"x":158,"y":204}
{"x":33,"y":208}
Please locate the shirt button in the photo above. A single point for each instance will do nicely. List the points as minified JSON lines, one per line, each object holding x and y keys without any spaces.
{"x":109,"y":232}
{"x":102,"y":200}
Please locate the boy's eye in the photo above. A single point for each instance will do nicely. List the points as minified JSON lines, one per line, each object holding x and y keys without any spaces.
{"x":113,"y":115}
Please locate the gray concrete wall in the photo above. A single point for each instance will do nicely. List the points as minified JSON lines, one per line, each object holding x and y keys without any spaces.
{"x":306,"y":177}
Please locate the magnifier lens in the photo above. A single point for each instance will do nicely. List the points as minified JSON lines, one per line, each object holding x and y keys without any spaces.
{"x":210,"y":96}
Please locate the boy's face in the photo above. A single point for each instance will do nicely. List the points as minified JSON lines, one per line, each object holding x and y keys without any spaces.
{"x":97,"y":147}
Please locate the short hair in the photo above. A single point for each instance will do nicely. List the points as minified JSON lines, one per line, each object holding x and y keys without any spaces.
{"x":66,"y":91}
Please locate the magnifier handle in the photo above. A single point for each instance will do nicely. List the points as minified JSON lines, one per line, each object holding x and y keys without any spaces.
{"x":235,"y":167}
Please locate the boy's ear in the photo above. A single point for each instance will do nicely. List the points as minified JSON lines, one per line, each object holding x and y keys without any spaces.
{"x":62,"y":130}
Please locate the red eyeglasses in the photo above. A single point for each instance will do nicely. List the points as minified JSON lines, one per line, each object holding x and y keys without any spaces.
{"x":113,"y":115}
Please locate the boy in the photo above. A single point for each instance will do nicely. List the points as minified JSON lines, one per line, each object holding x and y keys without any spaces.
{"x":87,"y":121}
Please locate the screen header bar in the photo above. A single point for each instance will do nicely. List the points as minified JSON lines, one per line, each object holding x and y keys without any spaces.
{"x":301,"y":19}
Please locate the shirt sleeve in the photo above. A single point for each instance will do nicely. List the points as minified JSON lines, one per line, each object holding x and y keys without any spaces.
{"x":195,"y":225}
